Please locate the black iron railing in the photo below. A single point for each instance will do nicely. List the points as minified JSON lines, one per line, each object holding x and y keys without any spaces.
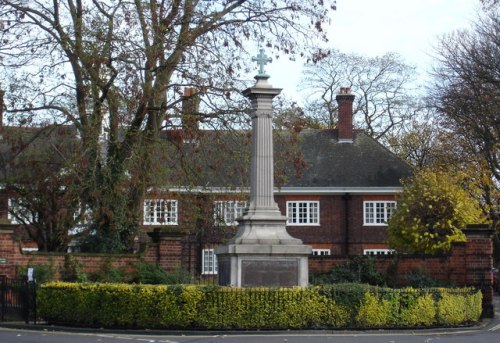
{"x":17,"y":300}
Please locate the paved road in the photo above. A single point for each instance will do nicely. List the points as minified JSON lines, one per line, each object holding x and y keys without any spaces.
{"x":466,"y":336}
{"x":488,"y":332}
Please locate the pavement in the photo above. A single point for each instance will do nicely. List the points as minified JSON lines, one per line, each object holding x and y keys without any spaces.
{"x":487,"y":324}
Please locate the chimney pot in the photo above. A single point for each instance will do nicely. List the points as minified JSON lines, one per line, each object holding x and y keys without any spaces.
{"x":345,"y":90}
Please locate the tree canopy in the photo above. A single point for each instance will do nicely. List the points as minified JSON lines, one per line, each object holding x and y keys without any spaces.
{"x":115,"y":70}
{"x":431,"y":213}
{"x":466,"y":89}
{"x":460,"y":133}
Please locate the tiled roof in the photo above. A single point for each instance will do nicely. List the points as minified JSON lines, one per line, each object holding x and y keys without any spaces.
{"x":362,"y":163}
{"x":314,"y":158}
{"x":22,"y":148}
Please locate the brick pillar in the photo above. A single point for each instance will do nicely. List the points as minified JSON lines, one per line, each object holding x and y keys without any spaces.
{"x":168,"y":248}
{"x":457,"y":264}
{"x":479,"y":262}
{"x":8,"y":251}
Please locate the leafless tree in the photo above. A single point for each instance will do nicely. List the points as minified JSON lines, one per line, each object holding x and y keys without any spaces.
{"x":466,"y":90}
{"x":119,"y":67}
{"x":381,"y":85}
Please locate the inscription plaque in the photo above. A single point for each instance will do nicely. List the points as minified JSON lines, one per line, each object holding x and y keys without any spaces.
{"x":224,"y":272}
{"x":256,"y":273}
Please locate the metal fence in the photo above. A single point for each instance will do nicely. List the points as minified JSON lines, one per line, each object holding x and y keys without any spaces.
{"x":348,"y":295}
{"x":17,"y":300}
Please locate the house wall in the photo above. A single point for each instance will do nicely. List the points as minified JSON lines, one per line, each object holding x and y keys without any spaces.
{"x":341,"y":224}
{"x":343,"y":237}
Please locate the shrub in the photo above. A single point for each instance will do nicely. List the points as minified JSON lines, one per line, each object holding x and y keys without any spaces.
{"x":417,"y":308}
{"x":419,"y":278}
{"x":42,"y":272}
{"x":214,"y":307}
{"x":348,"y":296}
{"x":73,"y":270}
{"x":154,"y":275}
{"x":358,"y":269}
{"x":374,"y":312}
{"x":107,"y":273}
{"x":334,"y":315}
{"x":458,"y":306}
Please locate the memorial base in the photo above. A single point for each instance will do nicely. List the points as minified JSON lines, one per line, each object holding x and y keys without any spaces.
{"x":263,"y":265}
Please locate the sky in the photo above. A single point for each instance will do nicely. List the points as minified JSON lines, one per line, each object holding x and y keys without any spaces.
{"x":375,"y":27}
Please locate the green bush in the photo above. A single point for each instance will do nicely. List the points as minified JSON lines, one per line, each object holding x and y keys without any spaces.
{"x":213,"y":307}
{"x":457,"y":307}
{"x":73,"y":270}
{"x":358,"y":269}
{"x":347,"y":296}
{"x":417,"y":308}
{"x":374,"y":312}
{"x":419,"y":278}
{"x":153,"y":274}
{"x":42,"y":272}
{"x":107,"y":273}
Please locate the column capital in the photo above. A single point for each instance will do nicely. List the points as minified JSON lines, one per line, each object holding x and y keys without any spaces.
{"x":261,"y":88}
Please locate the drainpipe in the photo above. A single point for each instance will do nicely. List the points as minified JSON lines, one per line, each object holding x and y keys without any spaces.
{"x":346,"y":197}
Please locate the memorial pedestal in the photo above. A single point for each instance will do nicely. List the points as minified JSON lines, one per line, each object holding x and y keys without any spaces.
{"x":262,"y":254}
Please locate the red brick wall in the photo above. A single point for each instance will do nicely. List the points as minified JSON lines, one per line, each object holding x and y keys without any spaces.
{"x":332,"y":229}
{"x":468,"y":264}
{"x":165,"y":252}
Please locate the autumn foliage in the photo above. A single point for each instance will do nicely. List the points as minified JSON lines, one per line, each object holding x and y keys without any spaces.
{"x":432,"y":211}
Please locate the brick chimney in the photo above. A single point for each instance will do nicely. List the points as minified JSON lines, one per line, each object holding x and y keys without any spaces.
{"x":344,"y":126}
{"x":190,"y":110}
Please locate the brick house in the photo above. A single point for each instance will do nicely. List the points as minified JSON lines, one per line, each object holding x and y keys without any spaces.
{"x":336,"y":187}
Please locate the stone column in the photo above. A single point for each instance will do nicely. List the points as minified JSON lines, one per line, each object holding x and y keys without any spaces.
{"x":262,"y":168}
{"x":263,"y":221}
{"x":263,"y":253}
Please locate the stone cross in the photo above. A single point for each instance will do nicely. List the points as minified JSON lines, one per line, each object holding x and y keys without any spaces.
{"x":262,"y":60}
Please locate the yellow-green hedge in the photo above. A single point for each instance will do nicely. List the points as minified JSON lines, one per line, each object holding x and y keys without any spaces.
{"x":212,"y":307}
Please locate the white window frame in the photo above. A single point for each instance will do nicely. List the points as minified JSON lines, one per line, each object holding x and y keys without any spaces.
{"x":375,"y":252}
{"x":321,"y":252}
{"x":302,"y":213}
{"x":378,"y":212}
{"x":226,"y":212}
{"x":160,"y":212}
{"x":209,"y":262}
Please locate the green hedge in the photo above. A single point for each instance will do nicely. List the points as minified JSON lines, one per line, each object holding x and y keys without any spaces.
{"x":213,"y":307}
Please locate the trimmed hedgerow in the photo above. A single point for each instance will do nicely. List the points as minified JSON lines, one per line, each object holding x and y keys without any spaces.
{"x":457,"y":308}
{"x":213,"y":307}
